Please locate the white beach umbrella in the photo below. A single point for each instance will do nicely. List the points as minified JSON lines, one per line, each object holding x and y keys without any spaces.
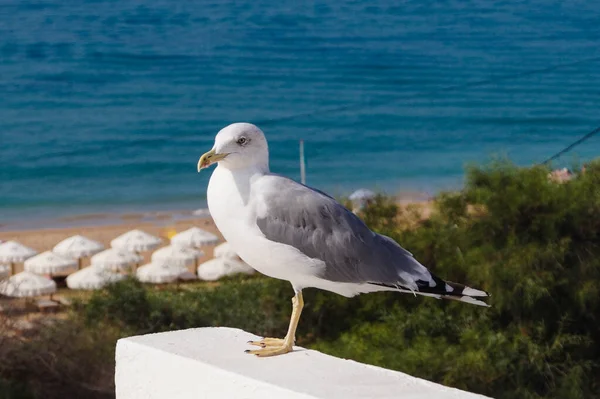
{"x":78,"y":247}
{"x":159,"y":273}
{"x":136,"y":241}
{"x":194,"y":237}
{"x":92,"y":278}
{"x":225,"y":250}
{"x":12,"y":252}
{"x":27,"y":284}
{"x":360,"y":198}
{"x":217,"y":268}
{"x":202,"y":212}
{"x":4,"y":271}
{"x":177,"y":256}
{"x":115,"y":259}
{"x":362,"y":194}
{"x":50,"y":263}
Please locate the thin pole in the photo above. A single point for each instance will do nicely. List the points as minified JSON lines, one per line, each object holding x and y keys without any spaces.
{"x":302,"y":164}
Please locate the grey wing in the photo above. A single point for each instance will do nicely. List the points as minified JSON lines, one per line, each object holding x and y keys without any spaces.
{"x":321,"y":228}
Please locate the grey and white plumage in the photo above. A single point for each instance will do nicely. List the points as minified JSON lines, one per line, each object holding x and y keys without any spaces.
{"x":290,"y":231}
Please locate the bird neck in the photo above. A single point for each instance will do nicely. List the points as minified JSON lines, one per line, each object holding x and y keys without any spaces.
{"x":246,"y":167}
{"x":241,"y":177}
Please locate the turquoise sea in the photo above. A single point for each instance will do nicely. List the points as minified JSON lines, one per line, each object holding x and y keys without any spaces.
{"x":105,"y":106}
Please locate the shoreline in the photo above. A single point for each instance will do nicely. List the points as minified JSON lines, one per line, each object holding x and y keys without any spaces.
{"x":157,"y":214}
{"x":97,"y":219}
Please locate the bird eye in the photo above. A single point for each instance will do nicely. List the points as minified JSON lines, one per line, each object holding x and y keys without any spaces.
{"x":242,"y":140}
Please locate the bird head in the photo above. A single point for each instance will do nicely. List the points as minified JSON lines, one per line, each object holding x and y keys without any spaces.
{"x":239,"y":145}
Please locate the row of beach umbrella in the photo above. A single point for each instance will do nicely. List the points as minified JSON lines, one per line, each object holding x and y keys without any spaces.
{"x":106,"y":265}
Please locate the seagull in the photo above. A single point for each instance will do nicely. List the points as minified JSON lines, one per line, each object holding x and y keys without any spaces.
{"x":292,"y":232}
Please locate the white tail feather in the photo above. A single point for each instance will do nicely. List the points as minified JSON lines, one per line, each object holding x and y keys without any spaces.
{"x":473,"y":292}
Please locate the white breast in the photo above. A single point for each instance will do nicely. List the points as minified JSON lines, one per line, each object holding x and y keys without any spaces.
{"x":228,"y":202}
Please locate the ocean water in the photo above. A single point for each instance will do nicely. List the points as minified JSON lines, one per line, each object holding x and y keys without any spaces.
{"x":107,"y":105}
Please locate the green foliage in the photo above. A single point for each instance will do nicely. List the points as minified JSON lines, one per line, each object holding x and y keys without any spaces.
{"x":381,"y":215}
{"x":532,"y":243}
{"x":242,"y":303}
{"x":14,"y":390}
{"x":64,"y":359}
{"x":260,"y":305}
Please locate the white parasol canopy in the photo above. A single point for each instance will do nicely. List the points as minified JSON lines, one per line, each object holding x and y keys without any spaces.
{"x":4,"y":271}
{"x":176,"y":256}
{"x":362,"y":194}
{"x":115,"y":259}
{"x":194,"y":237}
{"x":217,"y":268}
{"x":225,"y":250}
{"x":50,"y":263}
{"x":92,"y":278}
{"x":202,"y":212}
{"x":77,"y":247}
{"x":14,"y":252}
{"x":27,"y":284}
{"x":161,"y":273}
{"x":136,"y":241}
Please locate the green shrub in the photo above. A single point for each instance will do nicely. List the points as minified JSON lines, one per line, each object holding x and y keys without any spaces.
{"x":64,"y":359}
{"x":10,"y":389}
{"x":534,"y":245}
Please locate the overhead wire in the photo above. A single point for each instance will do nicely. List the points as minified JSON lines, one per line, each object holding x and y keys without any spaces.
{"x":574,"y":144}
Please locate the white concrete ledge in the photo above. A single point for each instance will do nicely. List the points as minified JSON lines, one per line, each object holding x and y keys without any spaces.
{"x":211,"y":363}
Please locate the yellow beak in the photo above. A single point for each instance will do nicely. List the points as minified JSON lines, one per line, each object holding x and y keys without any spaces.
{"x":209,"y":158}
